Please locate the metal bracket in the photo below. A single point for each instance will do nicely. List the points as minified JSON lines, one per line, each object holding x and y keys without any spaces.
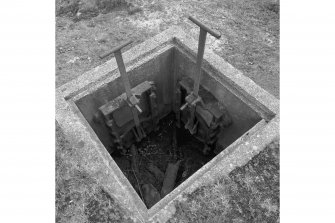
{"x":176,"y":107}
{"x":191,"y":103}
{"x":154,"y":108}
{"x":117,"y":138}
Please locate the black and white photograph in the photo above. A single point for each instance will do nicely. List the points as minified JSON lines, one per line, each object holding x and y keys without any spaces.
{"x":167,"y":111}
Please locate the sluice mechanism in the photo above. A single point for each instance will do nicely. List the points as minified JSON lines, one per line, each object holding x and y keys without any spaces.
{"x":133,"y":115}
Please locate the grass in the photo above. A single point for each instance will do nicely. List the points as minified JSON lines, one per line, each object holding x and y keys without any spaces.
{"x":249,"y":194}
{"x":249,"y":28}
{"x":88,"y":8}
{"x":79,"y":198}
{"x":250,"y":42}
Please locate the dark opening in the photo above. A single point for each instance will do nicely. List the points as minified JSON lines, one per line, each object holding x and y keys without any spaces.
{"x":156,"y":151}
{"x":160,"y":158}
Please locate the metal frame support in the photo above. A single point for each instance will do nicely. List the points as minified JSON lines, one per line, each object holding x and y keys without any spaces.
{"x":193,"y":98}
{"x":131,"y":99}
{"x":201,"y":49}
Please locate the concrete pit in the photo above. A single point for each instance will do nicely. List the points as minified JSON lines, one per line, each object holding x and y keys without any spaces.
{"x":167,"y":61}
{"x":172,"y":64}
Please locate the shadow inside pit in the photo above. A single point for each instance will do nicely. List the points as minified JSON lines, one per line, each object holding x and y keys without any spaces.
{"x":155,"y":152}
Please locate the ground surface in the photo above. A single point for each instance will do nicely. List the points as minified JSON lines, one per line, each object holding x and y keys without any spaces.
{"x":250,"y":42}
{"x":249,"y":194}
{"x":79,"y":198}
{"x":249,"y":28}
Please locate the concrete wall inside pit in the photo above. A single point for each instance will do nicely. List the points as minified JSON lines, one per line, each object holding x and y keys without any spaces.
{"x":158,"y":69}
{"x":243,"y":116}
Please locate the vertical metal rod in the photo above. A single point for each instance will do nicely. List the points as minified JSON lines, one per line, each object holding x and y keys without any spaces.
{"x":126,"y":83}
{"x":123,"y":72}
{"x":201,"y":49}
{"x":135,"y":115}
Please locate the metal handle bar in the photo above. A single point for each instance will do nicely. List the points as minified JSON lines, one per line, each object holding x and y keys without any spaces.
{"x":117,"y":48}
{"x":204,"y":27}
